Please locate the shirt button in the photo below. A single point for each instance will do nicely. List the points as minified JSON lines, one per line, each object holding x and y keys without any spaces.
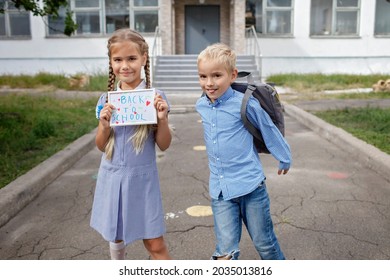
{"x":221,"y":176}
{"x":215,"y":142}
{"x":213,"y":124}
{"x":217,"y":158}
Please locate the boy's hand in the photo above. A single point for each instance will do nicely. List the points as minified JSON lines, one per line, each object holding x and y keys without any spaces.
{"x":161,"y":106}
{"x":282,"y":171}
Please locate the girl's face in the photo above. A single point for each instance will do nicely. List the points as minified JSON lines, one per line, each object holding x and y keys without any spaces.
{"x":127,"y":63}
{"x":214,"y":78}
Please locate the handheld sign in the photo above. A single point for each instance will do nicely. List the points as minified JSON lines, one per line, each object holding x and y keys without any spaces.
{"x":133,"y":107}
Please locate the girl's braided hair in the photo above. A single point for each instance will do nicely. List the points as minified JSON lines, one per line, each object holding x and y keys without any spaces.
{"x":142,"y":131}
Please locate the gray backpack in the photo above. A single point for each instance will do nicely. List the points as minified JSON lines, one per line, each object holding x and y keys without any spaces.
{"x":269,"y":101}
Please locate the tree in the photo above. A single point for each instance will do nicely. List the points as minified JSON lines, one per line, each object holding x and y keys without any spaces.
{"x":49,"y":7}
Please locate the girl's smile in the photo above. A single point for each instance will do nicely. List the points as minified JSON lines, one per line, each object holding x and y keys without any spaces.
{"x":127,"y":61}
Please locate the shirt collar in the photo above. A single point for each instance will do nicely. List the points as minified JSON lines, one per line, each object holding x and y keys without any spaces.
{"x":228,"y":93}
{"x":141,"y":85}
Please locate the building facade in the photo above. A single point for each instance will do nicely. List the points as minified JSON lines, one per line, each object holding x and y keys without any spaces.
{"x":294,"y":36}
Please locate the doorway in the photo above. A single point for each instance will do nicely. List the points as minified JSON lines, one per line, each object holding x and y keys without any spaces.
{"x":202,"y":27}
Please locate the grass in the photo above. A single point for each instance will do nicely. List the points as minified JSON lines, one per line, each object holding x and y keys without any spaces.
{"x":318,"y":82}
{"x":97,"y":82}
{"x":372,"y":125}
{"x":38,"y":81}
{"x":306,"y":87}
{"x":34,"y":128}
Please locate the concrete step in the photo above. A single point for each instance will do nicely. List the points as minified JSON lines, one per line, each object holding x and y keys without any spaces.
{"x":186,"y":66}
{"x":173,"y":72}
{"x":194,"y":62}
{"x":187,"y":75}
{"x":180,"y":73}
{"x":180,"y":84}
{"x":182,"y":89}
{"x":162,"y":78}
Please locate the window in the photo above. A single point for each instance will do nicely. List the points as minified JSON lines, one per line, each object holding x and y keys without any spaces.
{"x":270,"y":17}
{"x":334,"y":17}
{"x":117,"y":15}
{"x":87,"y":15}
{"x":382,"y":18}
{"x":99,"y":17}
{"x":14,"y":23}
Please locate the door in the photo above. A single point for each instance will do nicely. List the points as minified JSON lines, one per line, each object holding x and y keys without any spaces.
{"x":202,"y":27}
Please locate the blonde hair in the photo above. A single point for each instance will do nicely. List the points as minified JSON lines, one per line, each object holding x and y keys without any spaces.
{"x":142,"y":131}
{"x":221,"y":54}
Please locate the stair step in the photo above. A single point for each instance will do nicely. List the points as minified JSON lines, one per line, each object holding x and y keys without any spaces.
{"x":180,"y":73}
{"x":176,"y":78}
{"x":194,"y":62}
{"x":181,"y":89}
{"x":177,"y":83}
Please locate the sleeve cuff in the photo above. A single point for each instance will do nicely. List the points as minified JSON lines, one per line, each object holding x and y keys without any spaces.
{"x":284,"y":166}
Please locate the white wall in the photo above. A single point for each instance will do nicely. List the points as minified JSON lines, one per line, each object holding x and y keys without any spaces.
{"x":298,"y":54}
{"x":303,"y":54}
{"x":68,"y":55}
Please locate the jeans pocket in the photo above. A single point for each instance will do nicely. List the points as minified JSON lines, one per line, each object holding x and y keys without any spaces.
{"x":262,"y":184}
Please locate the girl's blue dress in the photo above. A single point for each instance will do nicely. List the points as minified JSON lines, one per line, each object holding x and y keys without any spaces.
{"x":127,"y":203}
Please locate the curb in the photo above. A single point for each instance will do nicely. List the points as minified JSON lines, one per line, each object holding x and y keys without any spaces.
{"x":182,"y":109}
{"x":20,"y":192}
{"x":365,"y":153}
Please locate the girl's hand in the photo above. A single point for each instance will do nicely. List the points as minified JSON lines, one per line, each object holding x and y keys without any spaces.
{"x":105,"y":114}
{"x":162,"y":133}
{"x":161,"y":106}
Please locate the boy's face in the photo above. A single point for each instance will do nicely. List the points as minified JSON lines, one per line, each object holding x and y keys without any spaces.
{"x":214,"y":78}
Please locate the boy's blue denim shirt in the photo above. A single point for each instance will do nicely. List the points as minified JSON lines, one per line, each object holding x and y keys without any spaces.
{"x":235,"y":167}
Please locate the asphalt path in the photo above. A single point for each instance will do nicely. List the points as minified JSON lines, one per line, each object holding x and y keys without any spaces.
{"x":330,"y":206}
{"x":334,"y":204}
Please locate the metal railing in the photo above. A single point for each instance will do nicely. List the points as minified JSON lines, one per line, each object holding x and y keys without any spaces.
{"x":253,"y":47}
{"x":156,"y":49}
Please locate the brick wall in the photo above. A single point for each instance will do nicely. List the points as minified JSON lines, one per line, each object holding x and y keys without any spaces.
{"x":172,"y":23}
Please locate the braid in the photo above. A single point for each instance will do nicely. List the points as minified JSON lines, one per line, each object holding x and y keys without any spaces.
{"x":111,"y":75}
{"x":109,"y":149}
{"x":147,"y":72}
{"x":111,"y":79}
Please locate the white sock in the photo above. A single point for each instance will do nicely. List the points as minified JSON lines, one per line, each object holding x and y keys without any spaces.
{"x":117,"y":250}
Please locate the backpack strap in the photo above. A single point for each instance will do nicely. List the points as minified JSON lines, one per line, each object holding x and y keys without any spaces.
{"x":248,"y":92}
{"x":248,"y":75}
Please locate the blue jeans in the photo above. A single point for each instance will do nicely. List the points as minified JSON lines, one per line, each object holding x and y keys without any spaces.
{"x":254,"y":210}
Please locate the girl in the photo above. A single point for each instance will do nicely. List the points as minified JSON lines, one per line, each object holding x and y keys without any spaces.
{"x":127,"y":205}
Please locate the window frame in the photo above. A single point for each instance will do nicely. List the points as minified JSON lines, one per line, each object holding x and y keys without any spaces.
{"x":98,"y":9}
{"x":265,"y":10}
{"x":134,"y":9}
{"x":102,"y":18}
{"x":335,"y":10}
{"x":374,"y":31}
{"x":7,"y":24}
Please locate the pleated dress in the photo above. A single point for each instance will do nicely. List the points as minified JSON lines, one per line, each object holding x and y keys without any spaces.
{"x":127,"y":203}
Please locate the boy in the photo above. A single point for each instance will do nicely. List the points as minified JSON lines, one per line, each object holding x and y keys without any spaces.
{"x":237,"y":182}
